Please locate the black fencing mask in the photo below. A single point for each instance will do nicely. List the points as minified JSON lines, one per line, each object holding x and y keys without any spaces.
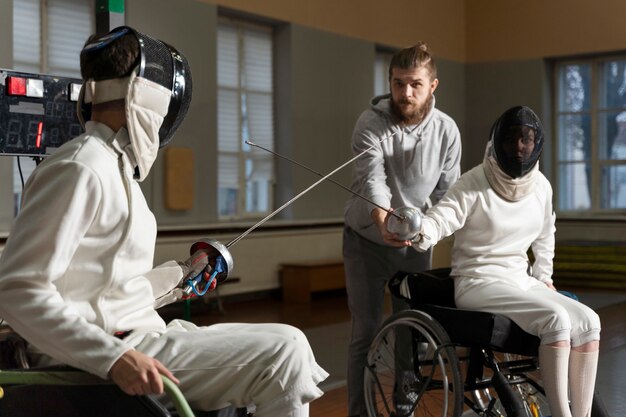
{"x":157,"y":93}
{"x":517,"y":141}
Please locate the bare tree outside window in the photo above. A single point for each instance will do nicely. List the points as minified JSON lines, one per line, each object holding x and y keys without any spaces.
{"x":591,"y":136}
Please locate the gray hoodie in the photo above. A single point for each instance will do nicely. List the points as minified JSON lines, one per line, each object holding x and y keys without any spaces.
{"x":406,"y":165}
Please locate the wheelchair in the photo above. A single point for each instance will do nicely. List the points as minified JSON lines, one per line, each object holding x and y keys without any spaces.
{"x":62,"y":391}
{"x":437,"y":360}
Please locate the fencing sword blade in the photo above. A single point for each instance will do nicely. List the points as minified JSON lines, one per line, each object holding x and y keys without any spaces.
{"x":306,"y":190}
{"x":388,"y":210}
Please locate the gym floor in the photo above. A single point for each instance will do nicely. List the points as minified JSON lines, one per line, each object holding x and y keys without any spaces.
{"x":326,"y":322}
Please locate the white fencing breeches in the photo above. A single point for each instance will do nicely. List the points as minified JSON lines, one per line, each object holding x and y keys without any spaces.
{"x":536,"y":308}
{"x":268,"y":365}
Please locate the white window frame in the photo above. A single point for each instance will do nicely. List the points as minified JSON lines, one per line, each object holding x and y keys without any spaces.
{"x":381,"y":72}
{"x":43,"y":44}
{"x":234,"y":148}
{"x":596,"y":160}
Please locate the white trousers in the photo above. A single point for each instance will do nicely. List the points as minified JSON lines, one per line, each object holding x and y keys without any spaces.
{"x":536,"y":308}
{"x":268,"y":365}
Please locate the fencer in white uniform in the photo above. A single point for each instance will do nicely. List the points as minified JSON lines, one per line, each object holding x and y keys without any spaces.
{"x":76,"y":276}
{"x":497,"y":211}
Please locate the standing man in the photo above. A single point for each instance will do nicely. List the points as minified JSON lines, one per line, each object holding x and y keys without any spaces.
{"x":414,"y":158}
{"x":76,"y":276}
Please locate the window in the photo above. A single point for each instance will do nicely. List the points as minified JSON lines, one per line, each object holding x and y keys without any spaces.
{"x":49,"y":34}
{"x":42,"y":43}
{"x":591,"y":135}
{"x":381,"y":73}
{"x":245,"y":113}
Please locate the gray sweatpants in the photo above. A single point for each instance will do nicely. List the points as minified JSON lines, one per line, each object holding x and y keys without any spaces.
{"x":368,"y":267}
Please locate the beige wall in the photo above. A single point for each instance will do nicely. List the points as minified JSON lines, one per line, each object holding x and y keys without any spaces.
{"x":395,"y":23}
{"x":257,"y":258}
{"x":487,"y":62}
{"x":461,"y":30}
{"x":500,"y":30}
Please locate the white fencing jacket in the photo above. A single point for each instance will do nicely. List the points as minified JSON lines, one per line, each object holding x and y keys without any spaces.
{"x":492,"y":235}
{"x":77,"y":266}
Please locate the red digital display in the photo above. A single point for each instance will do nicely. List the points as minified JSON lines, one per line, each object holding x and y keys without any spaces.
{"x":39,"y":130}
{"x":16,"y":86}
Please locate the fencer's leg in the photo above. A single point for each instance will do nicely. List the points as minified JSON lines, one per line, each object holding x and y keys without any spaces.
{"x":584,"y":358}
{"x":553,"y":363}
{"x":404,"y":344}
{"x":268,"y":365}
{"x":365,"y":285}
{"x":583,"y":366}
{"x":365,"y":323}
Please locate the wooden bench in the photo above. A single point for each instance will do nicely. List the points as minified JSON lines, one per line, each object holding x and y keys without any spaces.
{"x":300,"y":279}
{"x":576,"y":264}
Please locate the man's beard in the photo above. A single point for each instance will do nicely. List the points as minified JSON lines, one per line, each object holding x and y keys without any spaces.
{"x":411,"y":117}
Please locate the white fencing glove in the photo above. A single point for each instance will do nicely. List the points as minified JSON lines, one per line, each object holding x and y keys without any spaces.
{"x":422,"y":242}
{"x":197,"y":263}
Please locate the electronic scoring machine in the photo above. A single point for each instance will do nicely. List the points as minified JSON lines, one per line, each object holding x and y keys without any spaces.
{"x":37,"y":113}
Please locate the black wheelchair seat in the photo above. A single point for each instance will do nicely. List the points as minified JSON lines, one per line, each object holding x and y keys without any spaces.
{"x":433,"y":293}
{"x":480,"y":329}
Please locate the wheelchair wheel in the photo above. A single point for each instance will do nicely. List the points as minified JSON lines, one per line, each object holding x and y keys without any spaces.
{"x":412,"y":370}
{"x":526,"y":385}
{"x":534,"y":401}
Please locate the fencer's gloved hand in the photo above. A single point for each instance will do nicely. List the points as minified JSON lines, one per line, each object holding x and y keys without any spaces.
{"x":198,"y":263}
{"x":422,"y":241}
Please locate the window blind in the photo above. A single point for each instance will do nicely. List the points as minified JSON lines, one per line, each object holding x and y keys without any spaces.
{"x":26,"y":35}
{"x":245,"y":112}
{"x":69,"y":25}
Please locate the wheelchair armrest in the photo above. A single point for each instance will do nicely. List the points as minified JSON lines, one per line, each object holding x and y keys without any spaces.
{"x":53,"y":375}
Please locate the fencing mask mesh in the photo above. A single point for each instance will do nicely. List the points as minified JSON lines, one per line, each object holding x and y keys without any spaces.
{"x":517,"y":140}
{"x":156,"y":90}
{"x":160,"y":63}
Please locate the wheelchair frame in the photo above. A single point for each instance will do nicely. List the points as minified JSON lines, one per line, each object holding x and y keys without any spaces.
{"x":58,"y":386}
{"x":58,"y":376}
{"x":430,"y":361}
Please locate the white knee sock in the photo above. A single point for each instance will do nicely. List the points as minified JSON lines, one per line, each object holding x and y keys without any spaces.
{"x":553,"y":363}
{"x":582,"y":379}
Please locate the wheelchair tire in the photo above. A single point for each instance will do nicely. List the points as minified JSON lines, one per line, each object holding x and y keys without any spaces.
{"x":530,"y":389}
{"x":412,"y":369}
{"x":534,"y":402}
{"x":526,"y":386}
